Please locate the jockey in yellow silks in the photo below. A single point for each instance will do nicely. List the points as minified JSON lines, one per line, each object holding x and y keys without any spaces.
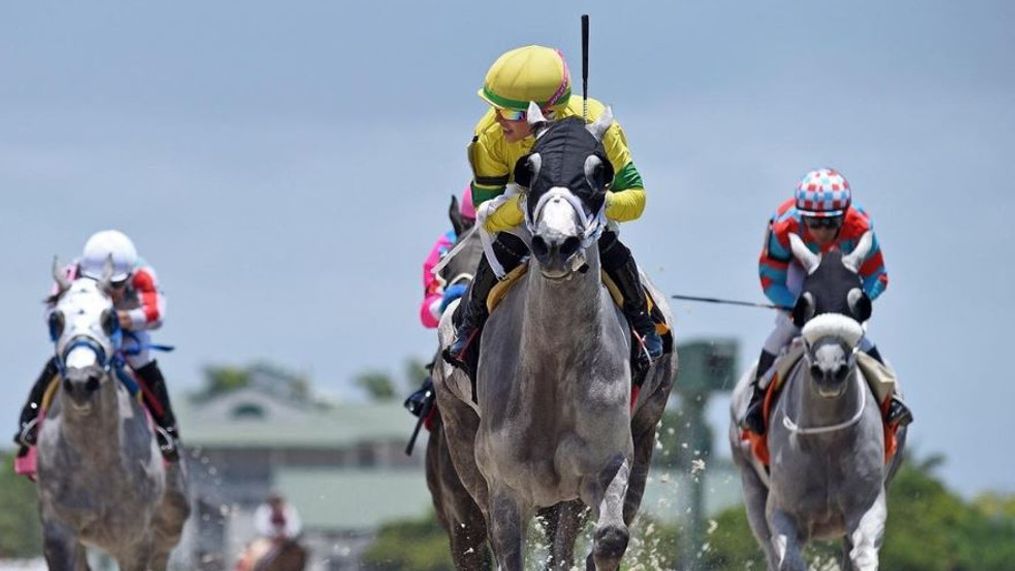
{"x":540,"y":74}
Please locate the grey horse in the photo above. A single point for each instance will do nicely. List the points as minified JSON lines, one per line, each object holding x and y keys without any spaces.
{"x":554,"y":422}
{"x":456,"y":511}
{"x":827,"y":477}
{"x":101,"y":479}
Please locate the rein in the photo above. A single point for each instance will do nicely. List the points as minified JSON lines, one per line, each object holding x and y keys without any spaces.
{"x":796,"y":429}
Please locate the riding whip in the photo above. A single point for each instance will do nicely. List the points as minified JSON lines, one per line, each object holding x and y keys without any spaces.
{"x":585,"y":67}
{"x":731,"y":302}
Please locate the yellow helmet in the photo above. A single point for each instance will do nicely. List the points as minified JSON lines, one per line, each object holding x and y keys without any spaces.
{"x":531,"y":73}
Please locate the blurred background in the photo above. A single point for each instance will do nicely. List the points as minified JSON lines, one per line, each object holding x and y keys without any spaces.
{"x":285,"y":168}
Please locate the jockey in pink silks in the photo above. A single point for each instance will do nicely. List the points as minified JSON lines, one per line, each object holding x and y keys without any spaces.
{"x":436,"y":297}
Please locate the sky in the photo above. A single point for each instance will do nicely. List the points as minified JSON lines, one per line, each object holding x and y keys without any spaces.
{"x":286,"y":167}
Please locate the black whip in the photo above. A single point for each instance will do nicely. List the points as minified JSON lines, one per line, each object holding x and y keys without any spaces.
{"x":731,"y":302}
{"x":585,"y":67}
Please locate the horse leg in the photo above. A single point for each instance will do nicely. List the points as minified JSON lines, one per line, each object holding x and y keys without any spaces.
{"x":606,"y":495}
{"x":786,"y":541}
{"x":755,"y":499}
{"x":137,"y":558}
{"x":456,"y":511}
{"x":62,"y":550}
{"x":507,"y":529}
{"x":865,"y":535}
{"x":643,"y":431}
{"x":563,"y":523}
{"x":460,"y":424}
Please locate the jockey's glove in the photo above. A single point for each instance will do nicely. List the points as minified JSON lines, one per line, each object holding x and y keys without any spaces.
{"x":507,"y":216}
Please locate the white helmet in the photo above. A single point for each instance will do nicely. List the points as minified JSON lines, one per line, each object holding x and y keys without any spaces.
{"x":101,"y":246}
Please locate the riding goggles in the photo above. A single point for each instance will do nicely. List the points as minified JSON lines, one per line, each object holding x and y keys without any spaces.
{"x":831,"y":222}
{"x":510,"y":114}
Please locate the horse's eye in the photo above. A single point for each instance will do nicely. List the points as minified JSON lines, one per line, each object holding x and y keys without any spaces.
{"x":56,"y":324}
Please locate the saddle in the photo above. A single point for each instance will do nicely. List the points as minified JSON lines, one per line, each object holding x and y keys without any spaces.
{"x":501,"y":289}
{"x":880,"y":378}
{"x":25,"y":462}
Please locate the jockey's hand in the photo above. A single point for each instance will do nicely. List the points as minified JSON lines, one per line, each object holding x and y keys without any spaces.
{"x":125,"y":321}
{"x":451,"y":294}
{"x":508,"y":216}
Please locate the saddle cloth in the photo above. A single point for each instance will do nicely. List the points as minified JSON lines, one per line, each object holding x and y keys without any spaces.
{"x":880,"y":378}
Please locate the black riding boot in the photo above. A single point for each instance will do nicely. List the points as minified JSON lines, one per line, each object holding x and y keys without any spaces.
{"x":898,"y":412}
{"x":619,"y":264}
{"x":509,"y":250}
{"x":157,"y":397}
{"x":28,"y":423}
{"x":754,"y":419}
{"x":422,"y":399}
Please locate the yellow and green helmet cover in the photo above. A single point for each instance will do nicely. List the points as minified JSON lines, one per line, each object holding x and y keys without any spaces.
{"x":530,"y":73}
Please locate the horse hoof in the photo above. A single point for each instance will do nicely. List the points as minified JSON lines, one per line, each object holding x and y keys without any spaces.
{"x":610,"y":545}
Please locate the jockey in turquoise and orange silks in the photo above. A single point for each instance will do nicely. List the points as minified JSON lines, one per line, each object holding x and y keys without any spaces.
{"x":773,"y":265}
{"x":435,"y":296}
{"x":823,"y":214}
{"x":540,"y":75}
{"x":140,"y":308}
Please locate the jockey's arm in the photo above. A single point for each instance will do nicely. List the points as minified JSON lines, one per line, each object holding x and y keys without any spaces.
{"x":152,"y":303}
{"x":490,"y":176}
{"x":773,"y":267}
{"x":626,"y":199}
{"x":873,"y":273}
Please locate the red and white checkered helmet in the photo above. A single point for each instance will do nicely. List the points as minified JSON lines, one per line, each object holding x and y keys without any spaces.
{"x":823,"y":193}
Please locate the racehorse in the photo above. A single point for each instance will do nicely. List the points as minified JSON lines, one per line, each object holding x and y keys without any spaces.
{"x":828,"y":475}
{"x":101,"y":479}
{"x":554,"y":420}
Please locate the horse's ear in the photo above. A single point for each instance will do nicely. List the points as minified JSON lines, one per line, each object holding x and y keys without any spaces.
{"x":527,"y":168}
{"x":455,"y":215}
{"x":860,"y":304}
{"x":804,"y":309}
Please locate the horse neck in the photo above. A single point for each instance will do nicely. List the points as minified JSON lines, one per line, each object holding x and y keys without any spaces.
{"x":809,"y":409}
{"x":566,"y":309}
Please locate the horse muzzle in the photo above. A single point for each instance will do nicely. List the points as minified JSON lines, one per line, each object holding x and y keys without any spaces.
{"x":81,"y":385}
{"x":558,"y":256}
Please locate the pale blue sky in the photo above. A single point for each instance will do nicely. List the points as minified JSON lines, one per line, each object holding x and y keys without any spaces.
{"x":286,"y":167}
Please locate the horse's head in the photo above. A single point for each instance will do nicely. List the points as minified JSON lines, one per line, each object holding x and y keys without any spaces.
{"x":830,"y":310}
{"x":85,"y":330}
{"x":567,"y":175}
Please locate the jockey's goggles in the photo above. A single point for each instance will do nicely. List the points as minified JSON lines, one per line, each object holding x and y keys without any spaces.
{"x":510,"y":114}
{"x":831,"y":222}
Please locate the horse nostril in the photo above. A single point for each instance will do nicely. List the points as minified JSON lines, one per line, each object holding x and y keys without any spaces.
{"x":67,"y":385}
{"x":93,"y":383}
{"x":570,"y":246}
{"x":816,"y":371}
{"x":539,"y":247}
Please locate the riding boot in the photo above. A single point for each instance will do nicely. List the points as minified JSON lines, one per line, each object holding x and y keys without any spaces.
{"x":897,"y":413}
{"x":157,"y":398}
{"x":619,"y":264}
{"x":28,"y":423}
{"x":754,"y":419}
{"x":472,"y":312}
{"x":422,"y":399}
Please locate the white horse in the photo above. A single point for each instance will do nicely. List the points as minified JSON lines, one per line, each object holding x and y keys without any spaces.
{"x":828,"y":475}
{"x":101,"y":479}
